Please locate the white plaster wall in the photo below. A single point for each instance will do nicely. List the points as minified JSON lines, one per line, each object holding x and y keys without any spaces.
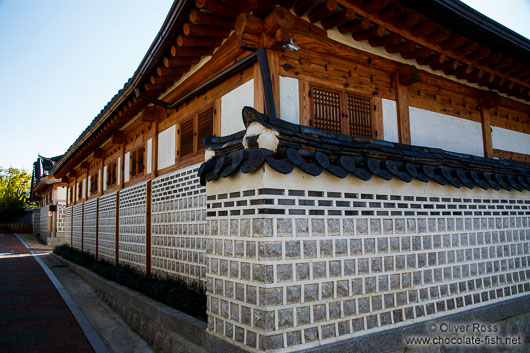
{"x":88,"y":191}
{"x":104,"y":178}
{"x":390,"y":126}
{"x":289,"y":100}
{"x":126,"y":167}
{"x":99,"y":180}
{"x":232,"y":104}
{"x":61,"y":193}
{"x":166,"y":147}
{"x":509,"y":140}
{"x":447,"y":132}
{"x":84,"y":188}
{"x":149,"y":156}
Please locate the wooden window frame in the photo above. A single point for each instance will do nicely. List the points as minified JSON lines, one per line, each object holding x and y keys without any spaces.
{"x":134,"y":162}
{"x":94,"y":182}
{"x":112,"y":174}
{"x":345,"y":128}
{"x":195,"y":117}
{"x":80,"y":190}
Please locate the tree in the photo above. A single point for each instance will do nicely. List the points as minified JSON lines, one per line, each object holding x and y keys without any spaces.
{"x":14,"y":193}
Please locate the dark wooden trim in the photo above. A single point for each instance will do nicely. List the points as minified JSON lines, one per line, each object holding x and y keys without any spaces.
{"x":148,"y":228}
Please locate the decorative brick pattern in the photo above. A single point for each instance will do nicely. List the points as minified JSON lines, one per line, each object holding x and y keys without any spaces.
{"x":60,"y":217}
{"x":68,"y":225}
{"x":44,"y":221}
{"x":178,"y":225}
{"x":132,"y":226}
{"x":107,"y":228}
{"x":89,"y":226}
{"x":308,"y":266}
{"x":77,"y":226}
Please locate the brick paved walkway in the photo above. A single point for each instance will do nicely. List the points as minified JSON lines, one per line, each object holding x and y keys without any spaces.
{"x":33,"y":316}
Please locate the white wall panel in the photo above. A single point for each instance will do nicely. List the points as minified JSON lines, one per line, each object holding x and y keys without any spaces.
{"x":390,"y":126}
{"x":149,"y":158}
{"x":126,"y":167}
{"x":166,"y":147}
{"x":446,"y":132}
{"x":509,"y":140}
{"x":289,"y":100}
{"x":232,"y":104}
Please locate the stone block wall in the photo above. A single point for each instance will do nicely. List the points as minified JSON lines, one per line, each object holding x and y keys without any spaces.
{"x":36,"y":220}
{"x":132,"y":226}
{"x":296,"y":261}
{"x":178,"y":225}
{"x":68,"y":224}
{"x":107,"y":228}
{"x":77,"y":226}
{"x":89,"y":226}
{"x":43,"y":222}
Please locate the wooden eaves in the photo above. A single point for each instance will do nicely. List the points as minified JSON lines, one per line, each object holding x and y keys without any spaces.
{"x":197,"y":28}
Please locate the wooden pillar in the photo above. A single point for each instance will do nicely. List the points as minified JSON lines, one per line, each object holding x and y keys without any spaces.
{"x":273,"y":57}
{"x":403,"y":77}
{"x":148,"y":228}
{"x":259,"y":104}
{"x":402,"y":107}
{"x":116,"y":242}
{"x":486,"y":132}
{"x":378,"y":128}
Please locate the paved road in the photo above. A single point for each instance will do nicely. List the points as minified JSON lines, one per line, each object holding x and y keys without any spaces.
{"x":33,"y":315}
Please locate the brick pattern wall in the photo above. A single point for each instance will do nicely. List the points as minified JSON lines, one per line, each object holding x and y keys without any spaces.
{"x":68,"y":225}
{"x":77,"y":226}
{"x":178,"y":225}
{"x":132,"y":226}
{"x":89,"y":230}
{"x":107,"y":228}
{"x":303,"y":266}
{"x":44,"y":221}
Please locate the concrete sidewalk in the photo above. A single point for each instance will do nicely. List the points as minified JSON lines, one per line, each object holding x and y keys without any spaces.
{"x":99,"y":319}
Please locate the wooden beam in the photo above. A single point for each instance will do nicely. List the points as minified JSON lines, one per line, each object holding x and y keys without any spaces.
{"x":118,"y":138}
{"x":389,"y":39}
{"x":408,"y":74}
{"x":210,"y":19}
{"x":372,"y":33}
{"x":338,"y":19}
{"x":198,"y":42}
{"x":378,"y":128}
{"x":424,"y":28}
{"x":182,"y":51}
{"x":262,"y":8}
{"x":403,"y":47}
{"x":354,"y":26}
{"x":98,"y":154}
{"x":216,"y":7}
{"x":280,"y":18}
{"x":204,"y":31}
{"x":402,"y":106}
{"x":322,"y":11}
{"x":301,"y":7}
{"x":181,"y":61}
{"x":150,"y":114}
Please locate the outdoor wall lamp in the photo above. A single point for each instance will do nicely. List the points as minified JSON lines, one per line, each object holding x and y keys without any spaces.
{"x":291,"y":46}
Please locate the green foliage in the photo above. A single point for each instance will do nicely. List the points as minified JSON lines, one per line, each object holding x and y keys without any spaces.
{"x":14,"y":193}
{"x":188,"y":298}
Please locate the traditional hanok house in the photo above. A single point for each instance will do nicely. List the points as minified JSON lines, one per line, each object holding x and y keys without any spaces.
{"x":385,"y":184}
{"x":50,"y":194}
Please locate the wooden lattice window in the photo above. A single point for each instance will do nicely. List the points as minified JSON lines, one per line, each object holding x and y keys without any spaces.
{"x":359,"y":116}
{"x":341,"y":112}
{"x":193,"y":130}
{"x":204,"y":126}
{"x":94,"y":183}
{"x":186,"y":137}
{"x":137,"y":162}
{"x":327,"y":110}
{"x":111,"y":174}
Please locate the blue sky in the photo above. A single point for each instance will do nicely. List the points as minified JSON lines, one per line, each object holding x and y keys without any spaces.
{"x":61,"y":61}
